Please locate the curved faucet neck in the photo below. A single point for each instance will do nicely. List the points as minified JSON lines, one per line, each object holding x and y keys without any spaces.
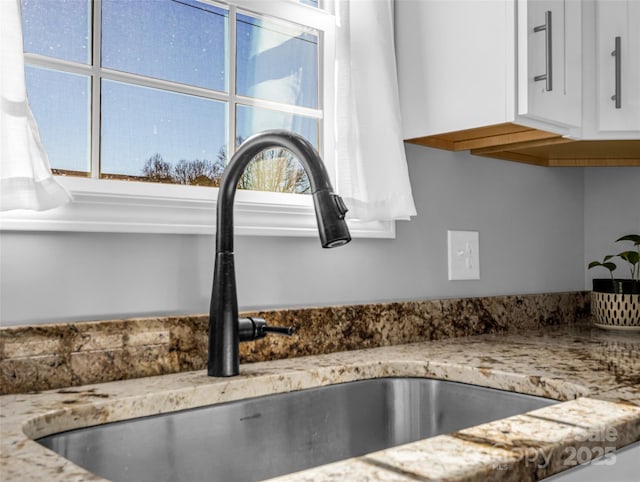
{"x":299,"y":147}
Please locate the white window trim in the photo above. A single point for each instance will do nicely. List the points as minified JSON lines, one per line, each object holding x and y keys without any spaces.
{"x":102,"y":206}
{"x":110,"y":206}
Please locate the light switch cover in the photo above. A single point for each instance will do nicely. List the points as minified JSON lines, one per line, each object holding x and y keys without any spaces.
{"x":463,"y":255}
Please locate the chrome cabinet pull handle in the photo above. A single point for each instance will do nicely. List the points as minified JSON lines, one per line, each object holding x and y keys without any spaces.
{"x":617,"y":54}
{"x":546,"y":28}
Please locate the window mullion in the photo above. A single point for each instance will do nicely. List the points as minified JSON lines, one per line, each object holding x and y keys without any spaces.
{"x":39,"y":60}
{"x":161,"y":84}
{"x":288,"y":108}
{"x":231,"y":106}
{"x":96,"y":88}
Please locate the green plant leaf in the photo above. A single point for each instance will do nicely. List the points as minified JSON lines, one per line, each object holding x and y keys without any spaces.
{"x":635,"y":238}
{"x":609,"y":266}
{"x":632,"y":257}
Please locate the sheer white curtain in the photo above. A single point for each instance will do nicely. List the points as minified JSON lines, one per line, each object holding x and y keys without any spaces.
{"x":25,"y":176}
{"x":372,"y":173}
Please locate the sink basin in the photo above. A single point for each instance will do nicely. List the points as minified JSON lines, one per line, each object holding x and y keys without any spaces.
{"x":259,"y":438}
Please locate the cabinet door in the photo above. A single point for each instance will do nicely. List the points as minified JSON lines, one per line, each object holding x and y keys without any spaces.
{"x":618,"y":65}
{"x":455,"y":64}
{"x":549,"y":61}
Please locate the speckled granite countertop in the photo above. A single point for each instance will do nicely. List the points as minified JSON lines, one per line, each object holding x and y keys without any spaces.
{"x":60,"y":355}
{"x":597,"y":371}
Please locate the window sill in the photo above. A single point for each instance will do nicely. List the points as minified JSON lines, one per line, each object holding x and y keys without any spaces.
{"x":126,"y":207}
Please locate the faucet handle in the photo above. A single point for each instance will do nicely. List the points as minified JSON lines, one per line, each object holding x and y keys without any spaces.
{"x":282,"y":330}
{"x":255,"y":328}
{"x":340,"y":205}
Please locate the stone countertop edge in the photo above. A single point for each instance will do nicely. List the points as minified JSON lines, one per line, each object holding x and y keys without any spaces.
{"x":596,"y":372}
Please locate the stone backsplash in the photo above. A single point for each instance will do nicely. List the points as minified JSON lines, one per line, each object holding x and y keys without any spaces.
{"x":41,"y":357}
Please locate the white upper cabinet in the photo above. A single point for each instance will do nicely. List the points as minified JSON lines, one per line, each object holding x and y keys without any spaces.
{"x":523,"y":80}
{"x":549,"y":61}
{"x":459,"y":67}
{"x":456,"y":64}
{"x":612,"y":70}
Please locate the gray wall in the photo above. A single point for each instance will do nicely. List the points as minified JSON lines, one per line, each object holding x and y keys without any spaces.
{"x":530,"y":219}
{"x":611,"y":210}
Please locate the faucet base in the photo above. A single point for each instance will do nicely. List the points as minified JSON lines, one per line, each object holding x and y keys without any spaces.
{"x":223,"y":320}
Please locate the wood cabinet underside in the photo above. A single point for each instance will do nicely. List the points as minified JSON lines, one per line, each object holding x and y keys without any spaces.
{"x":514,"y":142}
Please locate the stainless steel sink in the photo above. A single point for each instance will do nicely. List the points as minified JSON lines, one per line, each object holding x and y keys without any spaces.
{"x":264,"y":437}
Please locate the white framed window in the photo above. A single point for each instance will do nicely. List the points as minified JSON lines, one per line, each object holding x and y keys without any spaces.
{"x":162,"y":91}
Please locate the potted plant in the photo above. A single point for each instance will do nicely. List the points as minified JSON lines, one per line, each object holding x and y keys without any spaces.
{"x":615,"y":302}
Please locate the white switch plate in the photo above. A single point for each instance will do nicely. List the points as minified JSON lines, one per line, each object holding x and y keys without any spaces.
{"x":464,"y":255}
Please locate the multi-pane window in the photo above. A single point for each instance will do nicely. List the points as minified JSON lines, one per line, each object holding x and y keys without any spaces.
{"x":165,"y":90}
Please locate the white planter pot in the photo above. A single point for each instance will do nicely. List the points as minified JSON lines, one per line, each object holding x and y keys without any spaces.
{"x":616,"y":311}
